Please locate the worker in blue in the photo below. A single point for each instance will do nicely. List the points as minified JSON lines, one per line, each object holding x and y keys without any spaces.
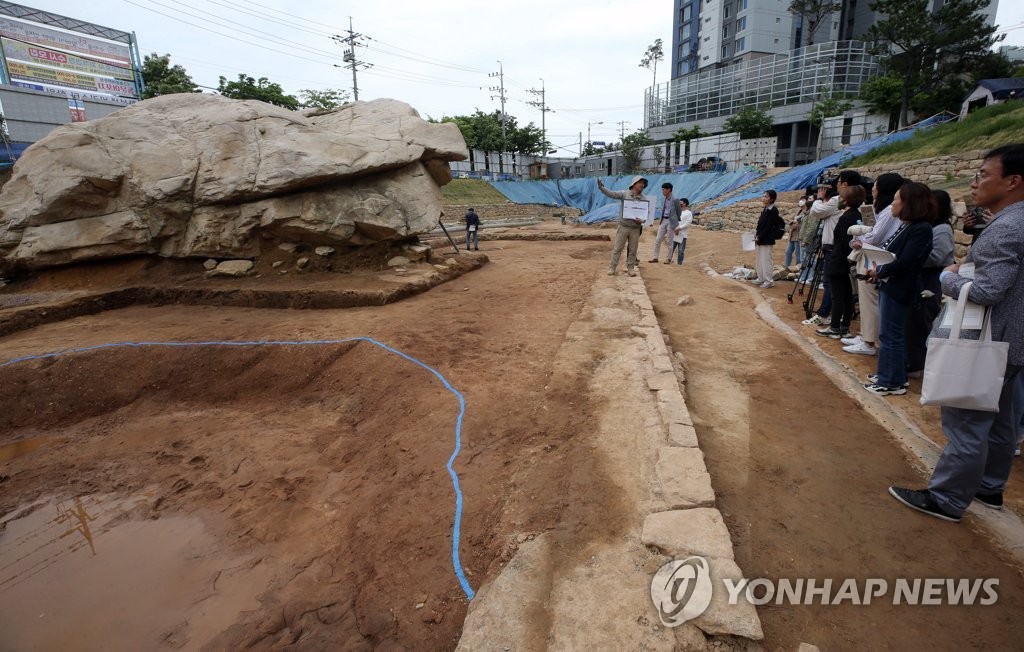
{"x":472,"y":230}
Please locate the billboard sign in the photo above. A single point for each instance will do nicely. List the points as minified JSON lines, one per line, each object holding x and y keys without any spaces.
{"x":25,"y":52}
{"x":64,"y":91}
{"x":50,"y":38}
{"x":46,"y":59}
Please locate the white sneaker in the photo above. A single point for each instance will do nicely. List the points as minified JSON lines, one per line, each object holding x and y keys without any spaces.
{"x":768,"y":284}
{"x":813,"y":321}
{"x":861,"y":348}
{"x":850,"y":341}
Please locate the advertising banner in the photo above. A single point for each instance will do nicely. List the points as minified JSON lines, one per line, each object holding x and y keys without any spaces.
{"x":31,"y":54}
{"x":52,"y":39}
{"x":64,"y":91}
{"x":28,"y":72}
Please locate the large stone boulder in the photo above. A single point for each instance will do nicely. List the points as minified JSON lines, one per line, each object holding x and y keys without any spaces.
{"x":202,"y":175}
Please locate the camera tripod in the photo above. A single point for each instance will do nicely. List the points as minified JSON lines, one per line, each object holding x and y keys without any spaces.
{"x":813,"y":259}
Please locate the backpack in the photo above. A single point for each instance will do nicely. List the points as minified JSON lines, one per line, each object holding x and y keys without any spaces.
{"x":780,"y":228}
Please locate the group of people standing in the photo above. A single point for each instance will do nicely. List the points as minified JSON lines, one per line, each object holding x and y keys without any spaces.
{"x":674,"y":217}
{"x":904,"y":264}
{"x":897,"y":263}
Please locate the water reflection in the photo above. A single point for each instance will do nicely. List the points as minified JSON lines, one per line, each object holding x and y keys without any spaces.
{"x":94,"y":572}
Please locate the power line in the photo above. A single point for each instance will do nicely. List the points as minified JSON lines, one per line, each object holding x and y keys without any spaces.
{"x":238,"y":27}
{"x":227,"y":4}
{"x":405,"y":74}
{"x":228,"y":36}
{"x":290,"y":15}
{"x":425,"y":58}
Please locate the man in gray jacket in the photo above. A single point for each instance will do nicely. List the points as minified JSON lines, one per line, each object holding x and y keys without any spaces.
{"x":669,"y":222}
{"x":976,"y":461}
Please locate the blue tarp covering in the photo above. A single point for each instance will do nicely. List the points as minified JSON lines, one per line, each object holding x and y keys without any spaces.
{"x":9,"y":155}
{"x":583,"y":193}
{"x":807,"y":175}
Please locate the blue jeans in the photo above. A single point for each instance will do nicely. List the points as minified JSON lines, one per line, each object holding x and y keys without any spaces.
{"x":681,"y":247}
{"x":792,"y":248}
{"x":892,"y":351}
{"x":474,"y":236}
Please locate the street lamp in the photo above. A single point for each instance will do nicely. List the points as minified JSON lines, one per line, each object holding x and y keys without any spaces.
{"x":588,"y":129}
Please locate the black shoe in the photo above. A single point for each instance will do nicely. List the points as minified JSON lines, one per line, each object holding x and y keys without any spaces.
{"x":992,"y":501}
{"x":922,"y":501}
{"x":874,"y":379}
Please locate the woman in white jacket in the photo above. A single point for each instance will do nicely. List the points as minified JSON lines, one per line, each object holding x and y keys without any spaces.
{"x":679,"y":235}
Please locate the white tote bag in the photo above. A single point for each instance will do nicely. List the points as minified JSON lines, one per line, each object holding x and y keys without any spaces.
{"x":965,"y":373}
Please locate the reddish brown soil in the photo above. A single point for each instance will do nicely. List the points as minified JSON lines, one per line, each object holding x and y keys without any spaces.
{"x":323,"y":467}
{"x":801,"y":472}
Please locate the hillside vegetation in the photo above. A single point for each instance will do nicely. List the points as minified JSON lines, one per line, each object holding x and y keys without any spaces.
{"x":471,"y":191}
{"x":985,"y":128}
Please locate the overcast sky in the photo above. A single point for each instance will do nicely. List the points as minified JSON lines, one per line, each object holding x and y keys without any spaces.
{"x":436,"y":56}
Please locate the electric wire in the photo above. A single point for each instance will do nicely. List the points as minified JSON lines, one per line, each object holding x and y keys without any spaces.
{"x":228,"y":36}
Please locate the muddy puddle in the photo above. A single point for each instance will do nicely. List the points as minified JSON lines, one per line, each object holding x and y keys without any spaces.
{"x":91,"y":573}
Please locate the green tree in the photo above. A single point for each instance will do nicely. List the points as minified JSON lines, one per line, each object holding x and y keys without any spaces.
{"x":590,"y":150}
{"x":483,"y":131}
{"x":813,"y":12}
{"x":528,"y":140}
{"x":633,"y":149}
{"x":750,"y":122}
{"x":948,"y":93}
{"x":262,"y":89}
{"x":924,"y":47}
{"x":651,"y":57}
{"x":881,"y":94}
{"x":827,"y":108}
{"x":684,"y":134}
{"x":162,"y":78}
{"x":326,"y":100}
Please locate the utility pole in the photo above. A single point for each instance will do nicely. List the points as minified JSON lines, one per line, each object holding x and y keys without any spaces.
{"x":543,"y":111}
{"x":501,"y":97}
{"x":622,"y":128}
{"x":349,"y":57}
{"x":501,"y":93}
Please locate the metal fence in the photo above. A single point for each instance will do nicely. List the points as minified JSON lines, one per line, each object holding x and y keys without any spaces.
{"x":799,"y":76}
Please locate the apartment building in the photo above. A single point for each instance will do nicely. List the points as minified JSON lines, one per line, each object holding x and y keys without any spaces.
{"x":727,"y":54}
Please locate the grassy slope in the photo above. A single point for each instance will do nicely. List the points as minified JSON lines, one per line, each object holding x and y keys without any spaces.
{"x":471,"y":191}
{"x":985,"y":128}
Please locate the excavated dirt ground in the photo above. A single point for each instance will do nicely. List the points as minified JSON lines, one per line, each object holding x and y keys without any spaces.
{"x":296,"y":496}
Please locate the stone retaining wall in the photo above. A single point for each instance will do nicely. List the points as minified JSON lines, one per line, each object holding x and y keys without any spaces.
{"x":454,"y":212}
{"x":743,"y":216}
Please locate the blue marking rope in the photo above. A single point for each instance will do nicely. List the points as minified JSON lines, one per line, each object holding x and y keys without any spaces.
{"x":456,"y":530}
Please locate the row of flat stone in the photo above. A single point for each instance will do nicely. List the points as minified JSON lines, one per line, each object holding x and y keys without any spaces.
{"x":690,"y":525}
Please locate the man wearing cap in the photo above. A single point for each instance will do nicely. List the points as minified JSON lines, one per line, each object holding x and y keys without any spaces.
{"x":629,"y":226}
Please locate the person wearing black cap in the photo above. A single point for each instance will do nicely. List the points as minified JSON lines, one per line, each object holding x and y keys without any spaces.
{"x":628,"y":233}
